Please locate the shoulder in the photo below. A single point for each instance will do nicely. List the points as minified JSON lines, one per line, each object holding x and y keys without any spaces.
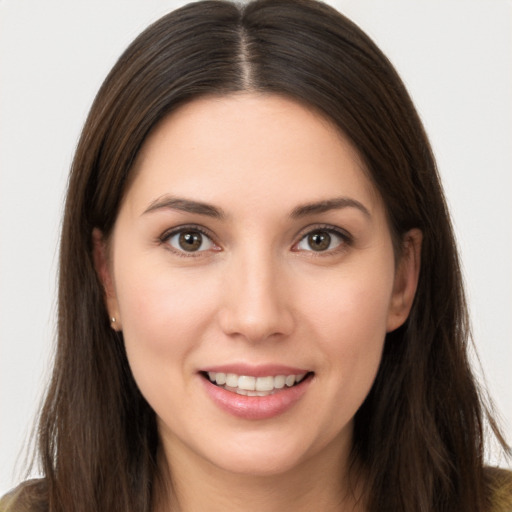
{"x":30,"y":496}
{"x":499,"y":485}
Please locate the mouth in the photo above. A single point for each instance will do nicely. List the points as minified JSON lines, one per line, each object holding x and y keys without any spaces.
{"x":249,"y":385}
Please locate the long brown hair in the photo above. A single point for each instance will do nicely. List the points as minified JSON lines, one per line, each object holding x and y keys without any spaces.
{"x":418,"y":435}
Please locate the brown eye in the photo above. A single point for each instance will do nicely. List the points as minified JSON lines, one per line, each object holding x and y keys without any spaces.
{"x":321,"y":240}
{"x":190,"y":241}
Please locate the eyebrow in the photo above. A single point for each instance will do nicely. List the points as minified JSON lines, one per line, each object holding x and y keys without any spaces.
{"x":185,"y":205}
{"x":201,"y":208}
{"x":326,"y":205}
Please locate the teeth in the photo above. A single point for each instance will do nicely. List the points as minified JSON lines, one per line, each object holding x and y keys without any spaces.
{"x":264,"y":383}
{"x":279,"y":381}
{"x":231,"y":380}
{"x":290,"y":380}
{"x":247,"y":383}
{"x":254,"y":386}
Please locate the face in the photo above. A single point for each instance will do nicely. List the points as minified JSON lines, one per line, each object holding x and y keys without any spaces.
{"x":251,"y":270}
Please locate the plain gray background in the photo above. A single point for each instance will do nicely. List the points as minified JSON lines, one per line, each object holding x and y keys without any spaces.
{"x":454,"y":55}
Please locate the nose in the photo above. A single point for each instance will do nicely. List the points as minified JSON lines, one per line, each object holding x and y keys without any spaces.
{"x":256,"y":301}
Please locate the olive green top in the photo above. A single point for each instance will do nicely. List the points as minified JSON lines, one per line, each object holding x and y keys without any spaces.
{"x":500,"y":486}
{"x":30,"y":495}
{"x":27,"y":497}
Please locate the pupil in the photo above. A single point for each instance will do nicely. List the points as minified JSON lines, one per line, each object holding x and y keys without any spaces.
{"x":190,"y":241}
{"x":319,"y":241}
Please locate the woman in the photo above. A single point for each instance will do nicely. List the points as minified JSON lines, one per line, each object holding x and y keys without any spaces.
{"x":260,"y":301}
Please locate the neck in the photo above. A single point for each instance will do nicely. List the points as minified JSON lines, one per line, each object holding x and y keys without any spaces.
{"x":322,"y":483}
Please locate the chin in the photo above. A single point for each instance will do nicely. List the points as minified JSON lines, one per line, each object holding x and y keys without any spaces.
{"x":266,"y":465}
{"x":264,"y":455}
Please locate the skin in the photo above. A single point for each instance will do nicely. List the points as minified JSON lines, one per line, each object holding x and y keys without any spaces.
{"x":255,"y":293}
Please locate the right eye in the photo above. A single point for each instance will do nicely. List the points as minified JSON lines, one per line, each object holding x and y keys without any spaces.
{"x":189,"y":241}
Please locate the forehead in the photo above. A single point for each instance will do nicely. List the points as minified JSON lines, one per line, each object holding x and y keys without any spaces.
{"x":249,"y":147}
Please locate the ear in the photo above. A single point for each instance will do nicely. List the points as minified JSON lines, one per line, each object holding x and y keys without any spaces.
{"x":104,"y":271}
{"x":406,"y":279}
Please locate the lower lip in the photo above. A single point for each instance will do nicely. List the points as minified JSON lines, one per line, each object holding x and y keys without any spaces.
{"x":256,"y":407}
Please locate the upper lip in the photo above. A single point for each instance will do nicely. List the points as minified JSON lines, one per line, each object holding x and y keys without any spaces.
{"x":263,"y":370}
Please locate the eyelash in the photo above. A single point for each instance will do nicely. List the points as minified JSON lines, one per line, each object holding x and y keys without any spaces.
{"x":165,"y":237}
{"x":347,"y":240}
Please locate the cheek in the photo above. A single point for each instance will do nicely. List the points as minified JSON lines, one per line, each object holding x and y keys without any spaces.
{"x":349,"y":318}
{"x":156,"y":299}
{"x":163,"y":319}
{"x":352,"y":301}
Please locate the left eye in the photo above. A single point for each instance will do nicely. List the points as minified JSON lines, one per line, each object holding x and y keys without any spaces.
{"x":190,"y":241}
{"x":320,"y":240}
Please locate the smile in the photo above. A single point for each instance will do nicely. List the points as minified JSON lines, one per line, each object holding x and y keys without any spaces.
{"x":253,"y":386}
{"x":256,"y":393}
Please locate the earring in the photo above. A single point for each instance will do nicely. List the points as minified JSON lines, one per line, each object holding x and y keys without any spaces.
{"x":114,"y":324}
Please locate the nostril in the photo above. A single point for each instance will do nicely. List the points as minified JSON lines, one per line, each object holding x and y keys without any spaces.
{"x":256,"y":326}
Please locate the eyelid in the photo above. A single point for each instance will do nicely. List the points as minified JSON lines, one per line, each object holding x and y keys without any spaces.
{"x":347,"y":238}
{"x":168,"y":234}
